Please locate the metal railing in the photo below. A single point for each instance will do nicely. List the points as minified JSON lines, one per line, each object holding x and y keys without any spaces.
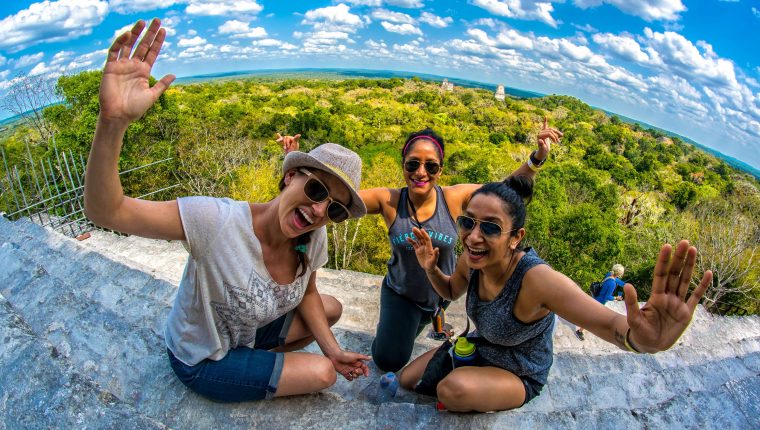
{"x":50,"y":192}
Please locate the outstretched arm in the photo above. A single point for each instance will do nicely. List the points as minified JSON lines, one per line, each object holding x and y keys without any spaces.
{"x":458,"y":195}
{"x":125,"y":95}
{"x":546,"y":136}
{"x":654,"y":327}
{"x":658,"y":324}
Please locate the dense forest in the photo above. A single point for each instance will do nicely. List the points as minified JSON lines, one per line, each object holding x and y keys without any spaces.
{"x":611,"y":192}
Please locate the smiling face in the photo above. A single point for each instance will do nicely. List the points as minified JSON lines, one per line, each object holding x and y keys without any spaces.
{"x":425,"y":152}
{"x":297,"y":213}
{"x":482,"y":250}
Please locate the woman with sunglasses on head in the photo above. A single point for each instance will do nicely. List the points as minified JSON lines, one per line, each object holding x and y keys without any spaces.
{"x":407,"y":300}
{"x":248,"y":292}
{"x":512,"y":296}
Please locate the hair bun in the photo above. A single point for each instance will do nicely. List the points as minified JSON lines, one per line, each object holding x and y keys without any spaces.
{"x":522,"y":185}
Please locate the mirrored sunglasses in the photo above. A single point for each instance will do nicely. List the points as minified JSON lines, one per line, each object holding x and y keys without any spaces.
{"x":317,"y":192}
{"x":487,"y":228}
{"x":431,"y":167}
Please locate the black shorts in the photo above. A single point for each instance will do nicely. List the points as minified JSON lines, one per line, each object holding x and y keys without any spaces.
{"x":441,"y":365}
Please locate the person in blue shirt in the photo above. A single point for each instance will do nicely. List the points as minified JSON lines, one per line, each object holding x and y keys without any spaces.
{"x":611,"y":281}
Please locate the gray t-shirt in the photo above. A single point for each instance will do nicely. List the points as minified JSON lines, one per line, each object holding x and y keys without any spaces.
{"x":226,"y":292}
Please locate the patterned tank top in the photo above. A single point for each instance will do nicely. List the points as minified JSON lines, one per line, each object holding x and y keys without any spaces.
{"x":405,"y":275}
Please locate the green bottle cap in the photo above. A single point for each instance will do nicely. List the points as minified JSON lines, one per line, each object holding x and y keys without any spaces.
{"x":463,"y":347}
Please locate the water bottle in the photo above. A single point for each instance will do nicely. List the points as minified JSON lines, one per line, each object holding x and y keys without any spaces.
{"x":387,"y":387}
{"x":464,"y":352}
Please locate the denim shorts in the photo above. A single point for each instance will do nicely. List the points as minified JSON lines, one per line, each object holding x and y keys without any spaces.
{"x":244,"y":374}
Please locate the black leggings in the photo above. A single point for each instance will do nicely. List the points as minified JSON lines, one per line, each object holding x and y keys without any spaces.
{"x":401,"y":321}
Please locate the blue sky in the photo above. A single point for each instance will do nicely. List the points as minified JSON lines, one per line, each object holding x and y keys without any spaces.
{"x":692,"y":67}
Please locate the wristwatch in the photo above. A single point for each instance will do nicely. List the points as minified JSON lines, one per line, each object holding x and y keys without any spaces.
{"x":534,"y":163}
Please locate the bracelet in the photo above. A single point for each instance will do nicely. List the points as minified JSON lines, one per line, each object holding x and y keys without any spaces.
{"x":628,"y":344}
{"x":536,"y":162}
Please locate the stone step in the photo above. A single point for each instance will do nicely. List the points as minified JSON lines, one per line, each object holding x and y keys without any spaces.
{"x":160,"y":258}
{"x":733,"y":405}
{"x":39,"y":389}
{"x":100,"y":338}
{"x":105,"y":321}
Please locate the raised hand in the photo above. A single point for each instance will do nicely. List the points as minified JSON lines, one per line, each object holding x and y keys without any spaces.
{"x":125,"y":94}
{"x":289,"y":143}
{"x":546,"y":136}
{"x":427,"y":256}
{"x":662,"y":320}
{"x":350,"y":364}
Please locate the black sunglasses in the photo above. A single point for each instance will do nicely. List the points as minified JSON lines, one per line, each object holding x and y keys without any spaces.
{"x":431,"y":166}
{"x":487,"y":228}
{"x":317,"y":192}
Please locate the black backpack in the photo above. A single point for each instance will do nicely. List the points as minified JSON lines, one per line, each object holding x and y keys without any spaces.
{"x":595,"y":289}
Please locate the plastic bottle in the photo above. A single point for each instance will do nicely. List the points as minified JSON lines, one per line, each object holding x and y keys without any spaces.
{"x":464,"y":352}
{"x":387,"y":387}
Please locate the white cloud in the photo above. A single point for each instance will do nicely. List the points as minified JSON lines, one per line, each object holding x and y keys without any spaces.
{"x":507,"y":39}
{"x":409,"y":49}
{"x":39,"y":69}
{"x":333,"y":18}
{"x":435,"y":20}
{"x":2,"y":60}
{"x":405,"y":29}
{"x":408,"y":4}
{"x":195,"y":41}
{"x":132,"y":6}
{"x":240,"y":29}
{"x":682,"y":57}
{"x":267,"y":43}
{"x":587,"y":28}
{"x":201,"y":51}
{"x":526,"y":10}
{"x":4,"y":75}
{"x":51,"y":22}
{"x":649,"y":10}
{"x":222,"y":7}
{"x":390,"y":16}
{"x":325,"y":42}
{"x":623,"y":47}
{"x":756,"y":12}
{"x":28,"y":60}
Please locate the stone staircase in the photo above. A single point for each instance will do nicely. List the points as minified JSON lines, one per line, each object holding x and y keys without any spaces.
{"x":82,"y":329}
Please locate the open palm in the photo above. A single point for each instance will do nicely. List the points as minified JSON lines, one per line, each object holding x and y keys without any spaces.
{"x":423,"y":248}
{"x":658,"y":324}
{"x":125,"y":91}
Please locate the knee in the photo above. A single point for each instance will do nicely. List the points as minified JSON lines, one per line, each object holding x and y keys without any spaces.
{"x":325,"y":373}
{"x":454,"y":390}
{"x":389,"y":361}
{"x":333,"y":309}
{"x":406,"y":380}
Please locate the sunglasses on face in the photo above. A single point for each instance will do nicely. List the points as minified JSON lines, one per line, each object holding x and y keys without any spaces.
{"x":487,"y":228}
{"x":317,"y":192}
{"x":431,"y":167}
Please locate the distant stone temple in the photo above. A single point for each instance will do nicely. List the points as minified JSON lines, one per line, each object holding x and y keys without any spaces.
{"x":500,"y":93}
{"x":446,"y":85}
